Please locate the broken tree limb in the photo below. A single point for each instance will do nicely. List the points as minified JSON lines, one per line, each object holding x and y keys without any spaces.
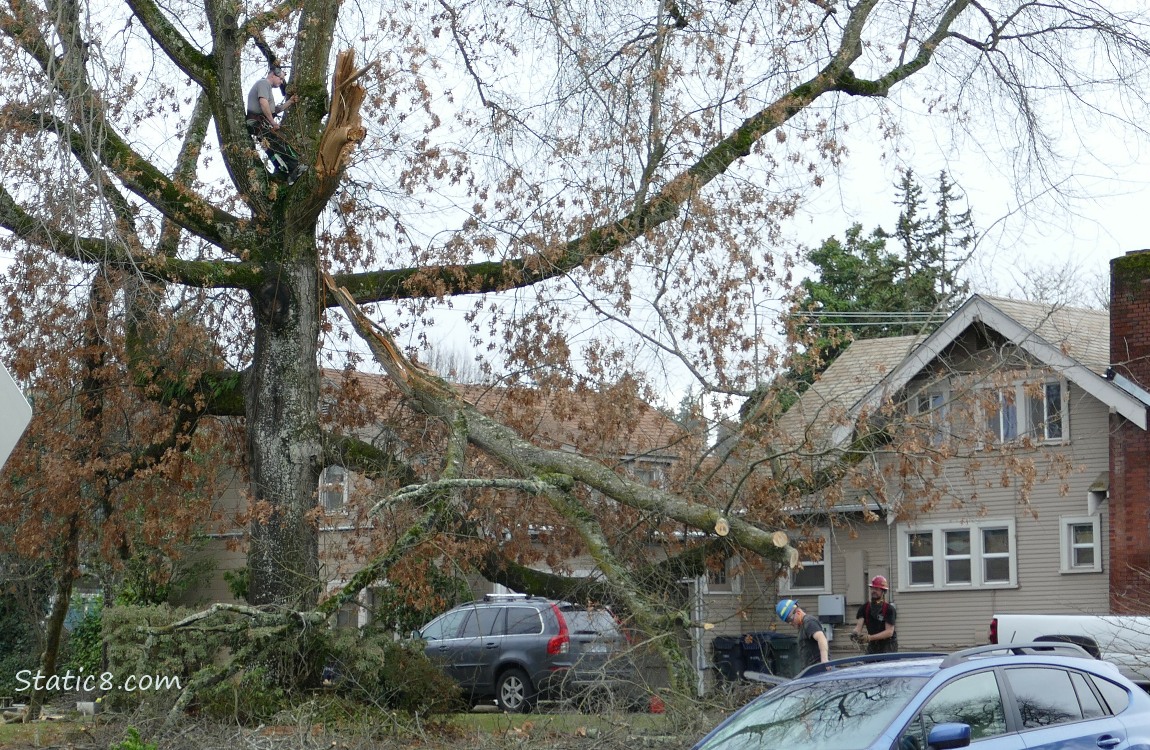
{"x":648,"y":615}
{"x":413,"y":493}
{"x":344,"y":127}
{"x":437,"y":397}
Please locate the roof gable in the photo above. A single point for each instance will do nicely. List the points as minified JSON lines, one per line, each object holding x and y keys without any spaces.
{"x":1073,"y":342}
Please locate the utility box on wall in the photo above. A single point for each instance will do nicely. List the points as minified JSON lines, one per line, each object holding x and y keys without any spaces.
{"x":856,"y":567}
{"x":832,"y":609}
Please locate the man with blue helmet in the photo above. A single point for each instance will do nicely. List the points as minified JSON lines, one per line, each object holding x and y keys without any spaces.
{"x":813,"y":646}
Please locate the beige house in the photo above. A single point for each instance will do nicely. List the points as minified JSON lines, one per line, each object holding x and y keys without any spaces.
{"x":1009,"y":408}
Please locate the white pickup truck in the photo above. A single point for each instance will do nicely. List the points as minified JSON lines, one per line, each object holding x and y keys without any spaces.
{"x":1123,"y":640}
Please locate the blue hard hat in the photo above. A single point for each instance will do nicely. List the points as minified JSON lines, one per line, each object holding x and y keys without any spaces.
{"x":785,"y":608}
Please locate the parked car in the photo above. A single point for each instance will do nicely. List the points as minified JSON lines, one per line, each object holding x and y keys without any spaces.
{"x":520,"y":649}
{"x":1044,"y":696}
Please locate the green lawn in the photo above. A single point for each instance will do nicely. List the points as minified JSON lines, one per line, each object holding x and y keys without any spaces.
{"x":560,"y":723}
{"x":45,"y":733}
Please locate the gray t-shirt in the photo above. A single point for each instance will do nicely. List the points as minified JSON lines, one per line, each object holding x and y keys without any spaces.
{"x":262,"y":90}
{"x":808,"y":647}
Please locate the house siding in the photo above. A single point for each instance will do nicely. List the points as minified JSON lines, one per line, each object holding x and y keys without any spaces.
{"x":224,"y":550}
{"x":930,"y":620}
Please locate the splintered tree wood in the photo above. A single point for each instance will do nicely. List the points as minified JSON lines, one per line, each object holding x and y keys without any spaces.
{"x":344,"y":127}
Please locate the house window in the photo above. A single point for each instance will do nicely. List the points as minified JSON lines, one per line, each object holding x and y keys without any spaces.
{"x":1045,"y":412}
{"x":814,"y":574}
{"x":1043,"y":417}
{"x":996,"y":559}
{"x":333,"y":484}
{"x":1002,"y":417}
{"x":646,"y":475}
{"x":920,"y":558}
{"x":1081,"y":544}
{"x":931,"y":407}
{"x":957,"y":555}
{"x":646,"y":472}
{"x":348,"y":615}
{"x":726,"y":579}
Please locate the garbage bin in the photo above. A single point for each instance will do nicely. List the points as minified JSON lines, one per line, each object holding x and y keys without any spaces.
{"x":728,"y":657}
{"x":771,"y":652}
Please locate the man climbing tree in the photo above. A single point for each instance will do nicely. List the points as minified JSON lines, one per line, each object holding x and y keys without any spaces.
{"x":262,"y":122}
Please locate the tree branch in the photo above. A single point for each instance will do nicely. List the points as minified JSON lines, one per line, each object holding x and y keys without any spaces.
{"x":548,"y":263}
{"x":366,"y":458}
{"x":848,"y":83}
{"x":179,"y":50}
{"x":437,"y":398}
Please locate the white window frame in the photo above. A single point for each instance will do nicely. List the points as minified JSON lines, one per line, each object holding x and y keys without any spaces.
{"x":1022,"y":391}
{"x":1002,"y":401}
{"x":787,"y":585}
{"x":978,"y":556}
{"x":1066,"y":526}
{"x":326,"y":485}
{"x":647,"y":471}
{"x":732,"y":568}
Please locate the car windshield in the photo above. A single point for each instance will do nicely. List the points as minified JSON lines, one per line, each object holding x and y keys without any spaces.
{"x":846,"y":714}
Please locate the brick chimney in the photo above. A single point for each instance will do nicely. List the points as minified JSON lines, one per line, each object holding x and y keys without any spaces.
{"x":1129,"y":504}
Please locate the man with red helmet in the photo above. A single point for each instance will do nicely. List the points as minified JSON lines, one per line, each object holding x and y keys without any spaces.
{"x":877,"y":617}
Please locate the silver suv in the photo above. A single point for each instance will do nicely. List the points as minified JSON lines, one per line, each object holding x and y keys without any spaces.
{"x":519,"y":649}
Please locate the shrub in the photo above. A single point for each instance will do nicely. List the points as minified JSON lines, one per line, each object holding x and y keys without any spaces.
{"x":84,"y":649}
{"x":132,"y":652}
{"x":373,"y":668}
{"x":133,"y":741}
{"x":249,"y":697}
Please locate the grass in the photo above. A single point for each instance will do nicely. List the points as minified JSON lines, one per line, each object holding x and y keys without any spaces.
{"x":557,"y":723}
{"x":44,"y":733}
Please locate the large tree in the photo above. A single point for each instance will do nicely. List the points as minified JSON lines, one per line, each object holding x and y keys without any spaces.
{"x":576,"y":177}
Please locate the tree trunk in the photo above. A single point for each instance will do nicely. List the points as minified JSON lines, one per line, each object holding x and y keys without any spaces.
{"x":54,"y":635}
{"x":282,"y":398}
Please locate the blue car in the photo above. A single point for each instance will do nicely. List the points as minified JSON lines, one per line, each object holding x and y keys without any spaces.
{"x":1030,"y":696}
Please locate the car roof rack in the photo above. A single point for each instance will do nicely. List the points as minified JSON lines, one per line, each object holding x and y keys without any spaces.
{"x":505,"y":597}
{"x":848,"y":661}
{"x":1033,"y":648}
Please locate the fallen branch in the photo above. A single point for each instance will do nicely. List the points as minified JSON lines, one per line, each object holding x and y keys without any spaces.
{"x":437,"y":397}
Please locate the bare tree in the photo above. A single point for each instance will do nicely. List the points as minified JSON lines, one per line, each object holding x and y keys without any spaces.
{"x":600,"y":186}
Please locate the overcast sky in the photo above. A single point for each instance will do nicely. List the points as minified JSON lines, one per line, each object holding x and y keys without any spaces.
{"x":1097,"y":213}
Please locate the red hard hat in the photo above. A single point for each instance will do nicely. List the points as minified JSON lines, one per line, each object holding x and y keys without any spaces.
{"x":879,"y":582}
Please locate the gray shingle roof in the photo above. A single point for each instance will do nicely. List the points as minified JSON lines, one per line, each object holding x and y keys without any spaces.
{"x":1081,"y":333}
{"x":852,"y":374}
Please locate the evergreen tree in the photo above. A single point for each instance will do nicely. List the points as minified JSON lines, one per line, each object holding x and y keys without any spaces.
{"x":863,"y":289}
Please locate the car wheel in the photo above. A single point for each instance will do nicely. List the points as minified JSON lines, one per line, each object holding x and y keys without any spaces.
{"x":513,"y":692}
